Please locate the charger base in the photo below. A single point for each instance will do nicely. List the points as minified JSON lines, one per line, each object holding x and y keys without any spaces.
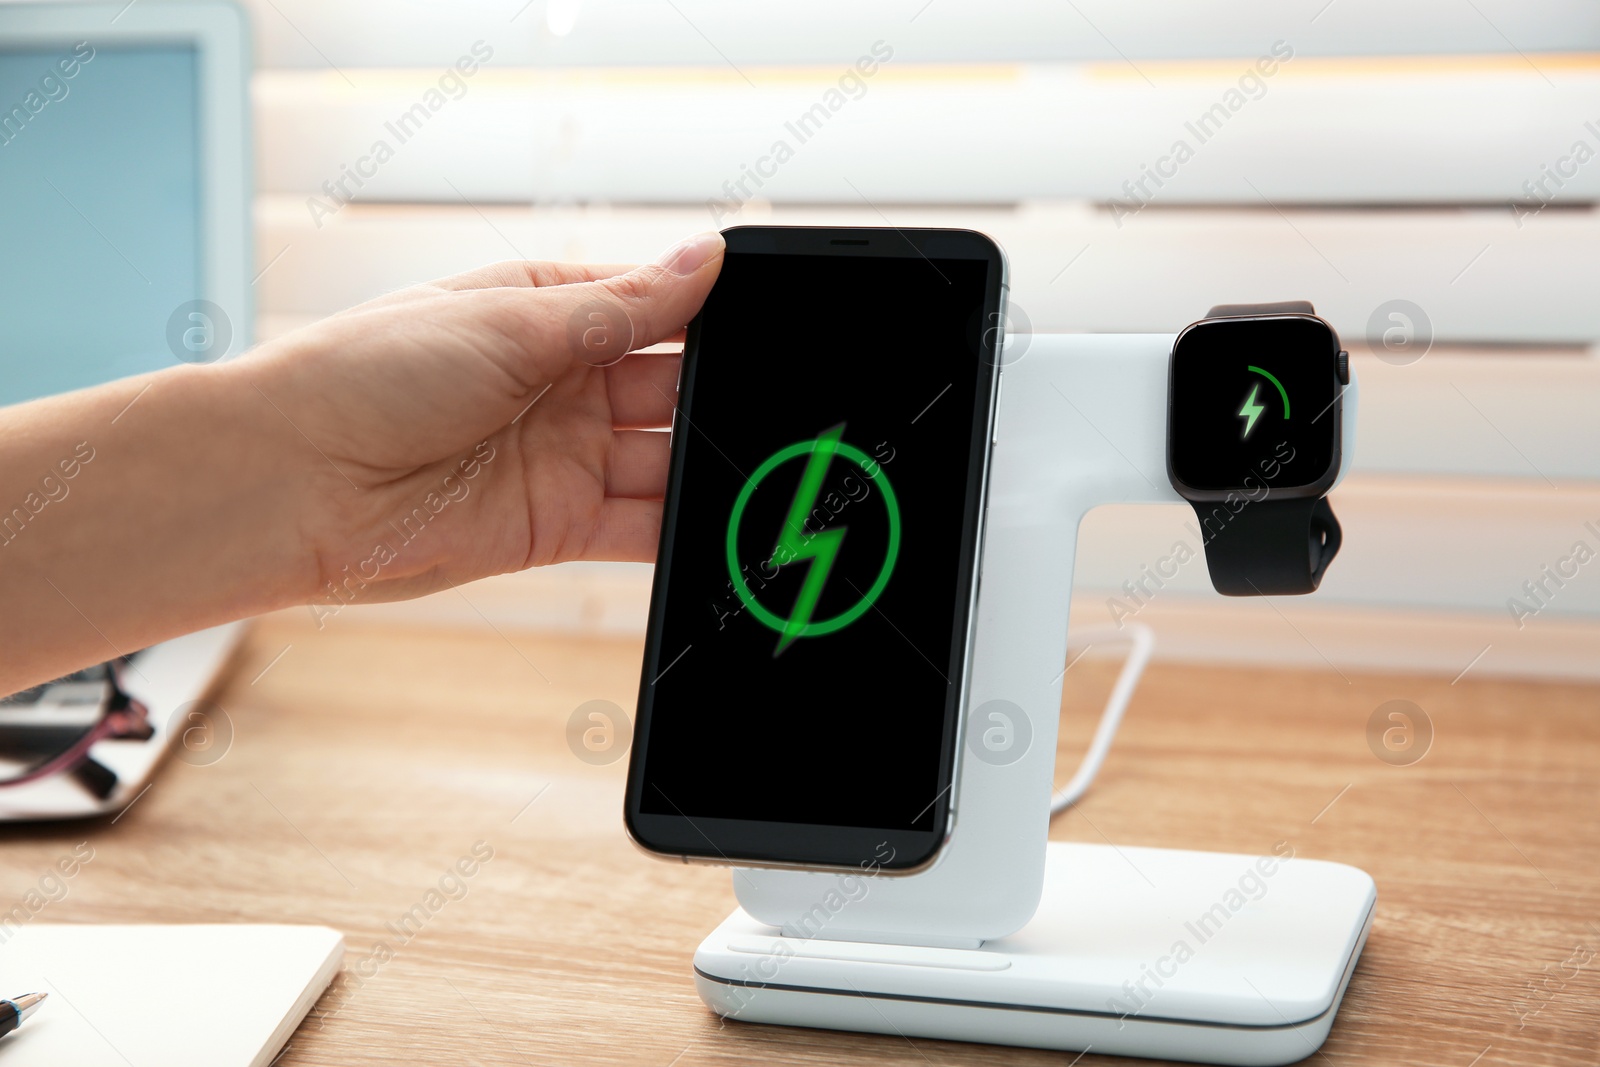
{"x":1198,"y":956}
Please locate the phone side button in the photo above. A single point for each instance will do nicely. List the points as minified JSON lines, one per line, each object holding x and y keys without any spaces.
{"x":999,"y":395}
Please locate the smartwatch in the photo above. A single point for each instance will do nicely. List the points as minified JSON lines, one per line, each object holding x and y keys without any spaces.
{"x":1254,"y":424}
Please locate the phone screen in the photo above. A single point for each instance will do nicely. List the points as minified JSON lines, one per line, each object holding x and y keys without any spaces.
{"x":809,"y":627}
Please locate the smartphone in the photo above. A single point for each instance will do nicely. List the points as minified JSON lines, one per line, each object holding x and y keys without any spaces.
{"x":810,"y":628}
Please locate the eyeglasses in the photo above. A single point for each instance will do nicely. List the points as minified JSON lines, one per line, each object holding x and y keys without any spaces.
{"x":50,"y":728}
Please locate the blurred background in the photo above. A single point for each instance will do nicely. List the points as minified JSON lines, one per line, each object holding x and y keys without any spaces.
{"x":1424,"y":172}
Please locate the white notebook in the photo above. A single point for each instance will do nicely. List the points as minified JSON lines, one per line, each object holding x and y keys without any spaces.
{"x":163,"y":996}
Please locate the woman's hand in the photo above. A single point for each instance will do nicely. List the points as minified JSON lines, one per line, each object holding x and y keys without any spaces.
{"x":475,"y":425}
{"x":485,"y":423}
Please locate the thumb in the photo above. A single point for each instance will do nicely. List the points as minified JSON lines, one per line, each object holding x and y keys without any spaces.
{"x":608,"y":318}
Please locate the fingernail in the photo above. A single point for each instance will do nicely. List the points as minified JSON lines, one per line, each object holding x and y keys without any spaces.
{"x":690,"y":254}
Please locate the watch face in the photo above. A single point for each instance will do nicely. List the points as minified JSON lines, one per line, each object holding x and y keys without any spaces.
{"x":1252,"y":404}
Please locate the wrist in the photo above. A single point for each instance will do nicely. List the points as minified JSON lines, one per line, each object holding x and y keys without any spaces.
{"x":257,"y":475}
{"x":213,"y":480}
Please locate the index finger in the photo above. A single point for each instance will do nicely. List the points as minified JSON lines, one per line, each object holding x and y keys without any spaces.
{"x":530,"y":274}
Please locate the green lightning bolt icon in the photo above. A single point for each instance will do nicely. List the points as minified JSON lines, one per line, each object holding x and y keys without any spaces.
{"x":796,"y":544}
{"x":1250,"y":411}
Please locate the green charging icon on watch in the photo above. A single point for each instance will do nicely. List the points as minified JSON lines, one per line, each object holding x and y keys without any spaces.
{"x":1252,"y":408}
{"x":796,"y":543}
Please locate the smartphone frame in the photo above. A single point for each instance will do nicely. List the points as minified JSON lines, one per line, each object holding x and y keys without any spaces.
{"x":759,"y":843}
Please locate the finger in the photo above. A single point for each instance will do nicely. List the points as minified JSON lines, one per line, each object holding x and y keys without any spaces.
{"x":627,"y":531}
{"x":643,"y":390}
{"x":637,"y":466}
{"x":676,"y":339}
{"x":530,"y":274}
{"x":516,"y":273}
{"x":660,"y":299}
{"x":599,"y":322}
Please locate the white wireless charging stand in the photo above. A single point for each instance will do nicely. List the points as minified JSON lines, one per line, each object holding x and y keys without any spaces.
{"x":1010,"y":939}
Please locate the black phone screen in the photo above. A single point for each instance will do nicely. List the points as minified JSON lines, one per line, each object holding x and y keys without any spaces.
{"x":809,"y":621}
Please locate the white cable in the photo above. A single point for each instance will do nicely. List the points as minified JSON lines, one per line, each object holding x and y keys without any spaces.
{"x":1144,"y":642}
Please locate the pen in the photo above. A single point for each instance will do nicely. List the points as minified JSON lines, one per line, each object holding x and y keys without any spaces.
{"x":13,"y":1011}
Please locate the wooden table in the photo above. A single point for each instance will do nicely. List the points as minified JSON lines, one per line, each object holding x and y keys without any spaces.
{"x":366,"y":761}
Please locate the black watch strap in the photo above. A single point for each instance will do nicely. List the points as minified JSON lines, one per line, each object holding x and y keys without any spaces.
{"x":1267,"y":547}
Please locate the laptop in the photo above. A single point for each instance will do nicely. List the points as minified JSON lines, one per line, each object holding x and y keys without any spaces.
{"x":124,"y":175}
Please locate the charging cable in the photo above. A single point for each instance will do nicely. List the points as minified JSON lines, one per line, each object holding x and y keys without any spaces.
{"x":1143,"y":642}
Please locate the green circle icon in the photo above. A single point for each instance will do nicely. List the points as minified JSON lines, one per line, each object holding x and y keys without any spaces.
{"x":818,"y":627}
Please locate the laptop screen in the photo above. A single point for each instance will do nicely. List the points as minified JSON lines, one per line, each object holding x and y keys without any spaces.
{"x":100,"y":191}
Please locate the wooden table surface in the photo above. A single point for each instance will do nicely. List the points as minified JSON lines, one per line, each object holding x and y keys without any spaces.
{"x":366,"y":761}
